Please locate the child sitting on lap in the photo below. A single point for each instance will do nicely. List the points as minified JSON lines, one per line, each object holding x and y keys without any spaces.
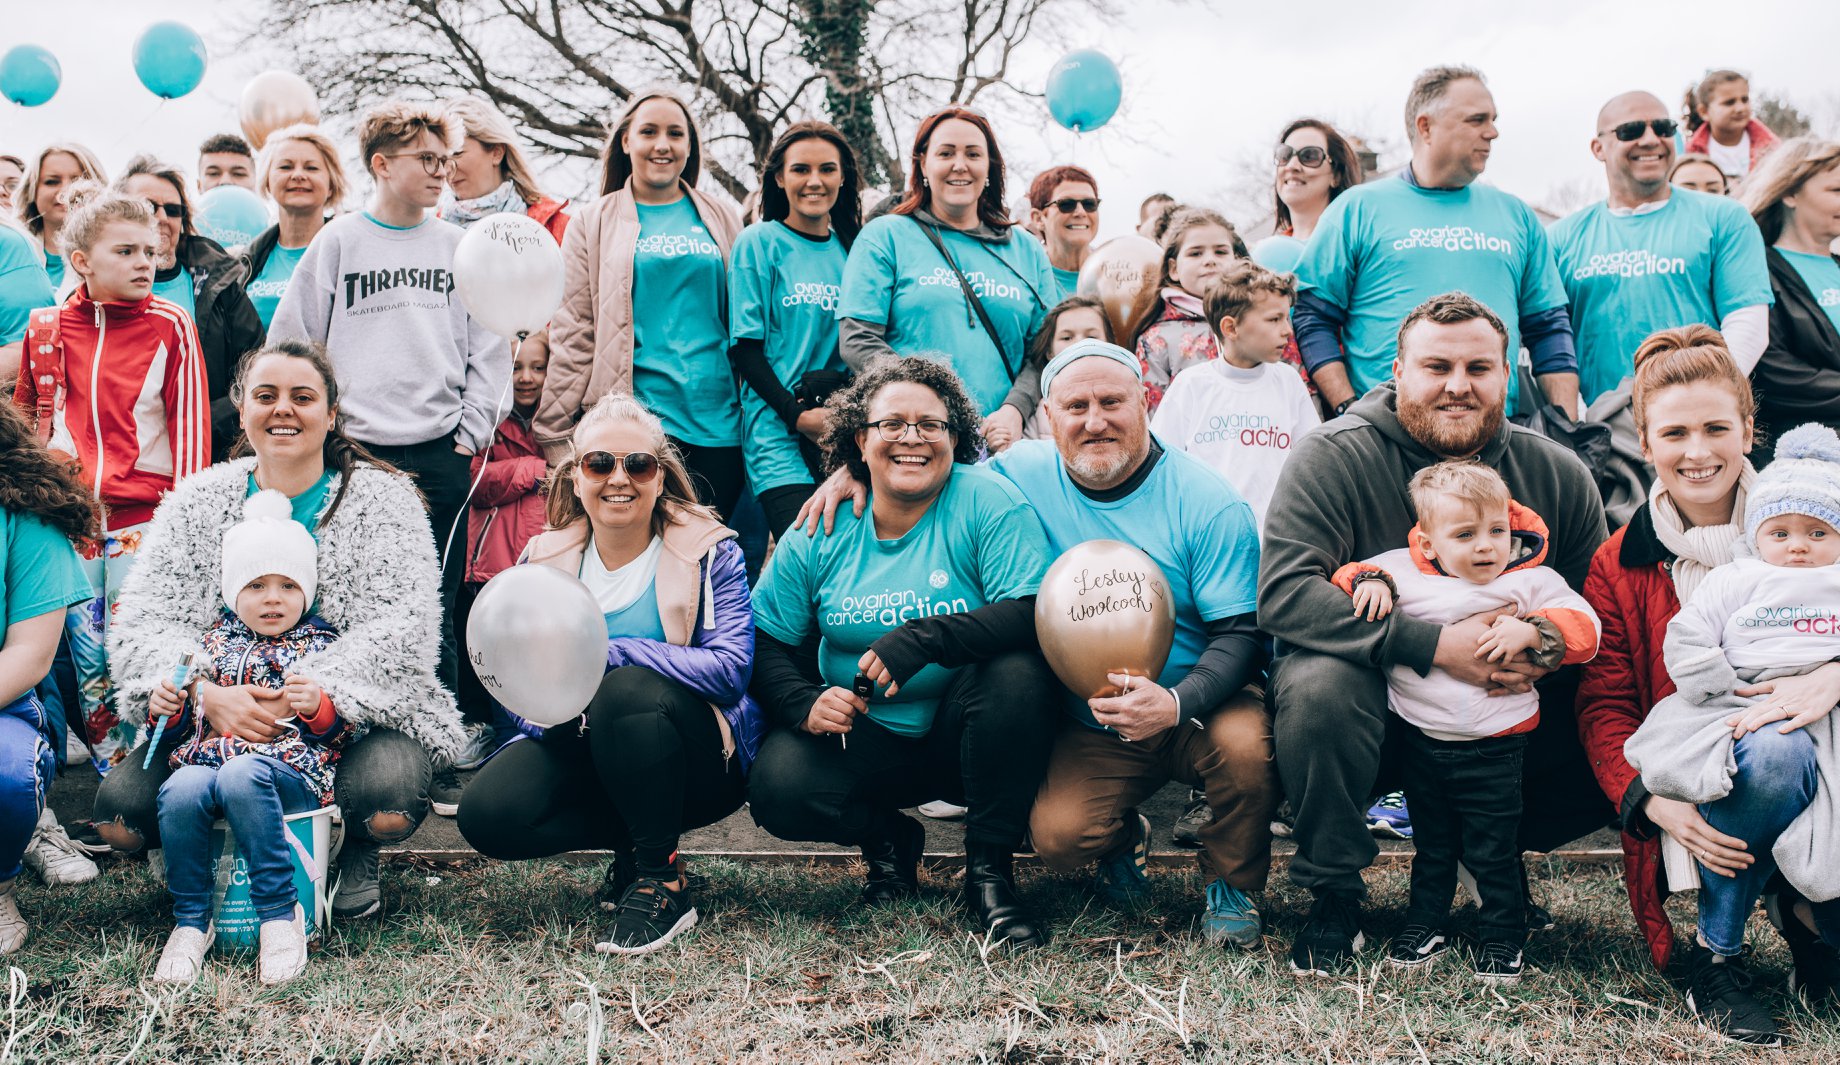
{"x":270,"y":571}
{"x":1474,"y":550}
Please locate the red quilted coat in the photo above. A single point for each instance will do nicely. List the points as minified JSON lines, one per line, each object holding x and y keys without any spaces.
{"x":1632,"y":590}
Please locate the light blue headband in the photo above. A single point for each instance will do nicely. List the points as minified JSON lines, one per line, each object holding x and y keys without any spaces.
{"x":1086,"y":348}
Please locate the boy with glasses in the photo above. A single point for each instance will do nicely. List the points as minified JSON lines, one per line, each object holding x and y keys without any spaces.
{"x":425,"y":384}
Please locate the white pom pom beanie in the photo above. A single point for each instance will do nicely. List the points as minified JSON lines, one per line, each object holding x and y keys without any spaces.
{"x":269,"y":540}
{"x":1804,"y":478}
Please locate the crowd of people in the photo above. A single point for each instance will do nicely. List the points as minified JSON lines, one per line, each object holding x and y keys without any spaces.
{"x":1370,"y":453}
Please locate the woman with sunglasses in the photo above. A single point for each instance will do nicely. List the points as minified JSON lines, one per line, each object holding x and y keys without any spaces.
{"x":927,"y":683}
{"x":1064,"y":206}
{"x":1315,"y":164}
{"x":643,"y":307}
{"x":947,"y":272}
{"x":665,"y":744}
{"x":196,"y":273}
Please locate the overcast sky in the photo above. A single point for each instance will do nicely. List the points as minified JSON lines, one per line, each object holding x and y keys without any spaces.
{"x":1207,"y":84}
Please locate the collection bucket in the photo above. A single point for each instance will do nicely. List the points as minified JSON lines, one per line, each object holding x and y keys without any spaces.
{"x":309,"y":837}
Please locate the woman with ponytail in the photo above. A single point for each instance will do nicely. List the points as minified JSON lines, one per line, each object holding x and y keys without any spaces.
{"x":378,"y":586}
{"x":1696,"y":418}
{"x":666,"y":743}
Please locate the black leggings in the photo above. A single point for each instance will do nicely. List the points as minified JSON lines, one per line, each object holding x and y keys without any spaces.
{"x":717,"y":473}
{"x":649,"y":767}
{"x":988,"y":748}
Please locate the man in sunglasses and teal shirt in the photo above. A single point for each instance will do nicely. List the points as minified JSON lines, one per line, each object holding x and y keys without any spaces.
{"x":1653,"y":257}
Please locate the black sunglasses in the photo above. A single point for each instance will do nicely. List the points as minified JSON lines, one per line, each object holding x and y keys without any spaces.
{"x":1629,"y":131}
{"x":1310,"y":155}
{"x":1088,"y":204}
{"x":641,"y":466}
{"x":170,"y":210}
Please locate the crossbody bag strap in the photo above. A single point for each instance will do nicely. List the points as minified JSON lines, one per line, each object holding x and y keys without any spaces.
{"x":45,"y":362}
{"x":970,"y":295}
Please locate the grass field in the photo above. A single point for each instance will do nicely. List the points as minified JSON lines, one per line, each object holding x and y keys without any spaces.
{"x":490,"y":962}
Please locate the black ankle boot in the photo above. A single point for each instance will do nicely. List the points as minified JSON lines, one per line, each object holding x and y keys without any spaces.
{"x":892,"y":853}
{"x":990,"y":895}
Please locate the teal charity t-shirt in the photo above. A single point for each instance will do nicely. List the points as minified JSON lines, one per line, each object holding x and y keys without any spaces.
{"x":1385,"y":247}
{"x":1694,"y":259}
{"x":1185,"y":516}
{"x":24,"y":285}
{"x":897,"y":279}
{"x":783,"y":290}
{"x":1068,"y":281}
{"x":979,"y":543}
{"x":308,"y":504}
{"x":1822,"y":276}
{"x":39,"y":571}
{"x":54,"y":269}
{"x":680,"y":334}
{"x":638,"y":618}
{"x":179,"y":290}
{"x":271,"y":284}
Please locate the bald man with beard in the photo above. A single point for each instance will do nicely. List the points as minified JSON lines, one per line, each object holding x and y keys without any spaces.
{"x":1652,"y":257}
{"x":1342,"y":498}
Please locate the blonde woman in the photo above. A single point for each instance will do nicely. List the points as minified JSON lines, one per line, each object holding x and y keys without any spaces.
{"x":301,"y":172}
{"x":40,"y":198}
{"x":490,"y":173}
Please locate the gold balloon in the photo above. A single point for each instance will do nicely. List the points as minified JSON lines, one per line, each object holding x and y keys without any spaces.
{"x":275,"y":99}
{"x":1116,"y":272}
{"x":1104,"y":607}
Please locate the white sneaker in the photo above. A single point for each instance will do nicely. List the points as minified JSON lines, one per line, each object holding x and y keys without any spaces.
{"x":941,"y":810}
{"x":53,"y":856}
{"x":183,"y":958}
{"x":284,"y":949}
{"x":13,"y":927}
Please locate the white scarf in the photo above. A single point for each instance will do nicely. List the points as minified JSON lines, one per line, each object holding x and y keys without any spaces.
{"x":466,"y":212}
{"x":1697,"y":550}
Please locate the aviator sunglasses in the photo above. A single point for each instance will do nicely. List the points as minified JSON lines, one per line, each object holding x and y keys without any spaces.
{"x":1310,"y":155}
{"x":641,"y":466}
{"x":1088,"y":204}
{"x":1629,"y":131}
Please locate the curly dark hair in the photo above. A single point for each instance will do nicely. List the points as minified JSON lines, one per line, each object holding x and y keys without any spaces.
{"x":34,"y":482}
{"x":849,"y":410}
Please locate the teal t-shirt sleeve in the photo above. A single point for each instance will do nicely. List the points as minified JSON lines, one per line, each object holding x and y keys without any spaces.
{"x":750,"y":278}
{"x":868,"y":276}
{"x":1541,"y":287}
{"x":42,"y":573}
{"x":1328,"y":264}
{"x":24,"y":285}
{"x":1012,"y":548}
{"x":1224,"y":552}
{"x":784,"y":600}
{"x":1740,"y":273}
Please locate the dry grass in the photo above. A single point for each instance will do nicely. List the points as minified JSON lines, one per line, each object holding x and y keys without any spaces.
{"x":494,"y":963}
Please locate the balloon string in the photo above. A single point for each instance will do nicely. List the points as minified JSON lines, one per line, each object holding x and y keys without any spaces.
{"x":485,"y":455}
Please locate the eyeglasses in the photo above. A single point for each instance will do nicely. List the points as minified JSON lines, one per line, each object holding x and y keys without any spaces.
{"x":1310,"y":155}
{"x":641,"y":466}
{"x":433,"y":165}
{"x":893,"y":430}
{"x":1089,"y":204}
{"x":1629,"y":131}
{"x":170,"y":210}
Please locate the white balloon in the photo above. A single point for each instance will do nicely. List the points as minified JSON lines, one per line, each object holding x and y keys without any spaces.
{"x":508,"y":271}
{"x":538,"y":641}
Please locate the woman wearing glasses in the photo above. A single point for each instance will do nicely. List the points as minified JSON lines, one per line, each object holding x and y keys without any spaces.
{"x":927,"y":682}
{"x":644,"y":288}
{"x":1314,"y":164}
{"x":946,"y":271}
{"x":666,"y":743}
{"x":1064,"y":201}
{"x":196,"y":273}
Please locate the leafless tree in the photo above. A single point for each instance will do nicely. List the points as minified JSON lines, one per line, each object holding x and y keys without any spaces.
{"x":559,"y":68}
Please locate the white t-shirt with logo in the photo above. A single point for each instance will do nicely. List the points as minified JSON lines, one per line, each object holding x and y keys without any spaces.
{"x":1242,"y":423}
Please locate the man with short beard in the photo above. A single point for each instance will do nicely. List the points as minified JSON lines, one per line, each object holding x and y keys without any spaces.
{"x":1341,"y":498}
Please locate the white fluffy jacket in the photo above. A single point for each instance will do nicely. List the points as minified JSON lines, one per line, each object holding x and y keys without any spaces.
{"x":378,"y":586}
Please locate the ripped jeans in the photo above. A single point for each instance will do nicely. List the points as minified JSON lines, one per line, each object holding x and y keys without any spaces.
{"x":381,"y":789}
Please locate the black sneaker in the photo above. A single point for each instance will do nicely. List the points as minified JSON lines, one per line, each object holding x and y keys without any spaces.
{"x":1718,"y":996}
{"x":1539,"y":919}
{"x":444,"y":792}
{"x":1415,"y":946}
{"x":621,"y":872}
{"x":1498,"y":962}
{"x":1814,"y":970}
{"x":1196,"y":816}
{"x":1331,"y":936}
{"x":649,"y":916}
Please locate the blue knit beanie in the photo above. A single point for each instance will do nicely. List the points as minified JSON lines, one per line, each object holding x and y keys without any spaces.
{"x":1804,"y":478}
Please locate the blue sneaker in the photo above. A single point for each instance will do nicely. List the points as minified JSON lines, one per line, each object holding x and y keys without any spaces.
{"x":1232,"y":917}
{"x":1123,"y":880}
{"x":1389,"y":817}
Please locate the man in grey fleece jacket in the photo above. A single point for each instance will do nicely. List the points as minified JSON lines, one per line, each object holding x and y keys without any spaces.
{"x":1342,"y":498}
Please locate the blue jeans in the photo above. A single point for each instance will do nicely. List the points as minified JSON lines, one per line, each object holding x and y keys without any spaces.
{"x":1775,"y":782}
{"x":27,"y":763}
{"x":251,"y":792}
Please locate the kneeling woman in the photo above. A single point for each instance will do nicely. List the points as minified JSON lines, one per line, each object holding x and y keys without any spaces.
{"x":666,"y":742}
{"x":929,"y":597}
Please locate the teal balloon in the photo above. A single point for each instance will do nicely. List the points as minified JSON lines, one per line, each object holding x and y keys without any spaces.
{"x":29,"y":75}
{"x":231,"y":215}
{"x":1278,"y":253}
{"x":169,"y":58}
{"x":1084,"y":90}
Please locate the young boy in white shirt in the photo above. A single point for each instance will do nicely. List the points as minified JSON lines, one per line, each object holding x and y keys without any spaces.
{"x":1242,"y":413}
